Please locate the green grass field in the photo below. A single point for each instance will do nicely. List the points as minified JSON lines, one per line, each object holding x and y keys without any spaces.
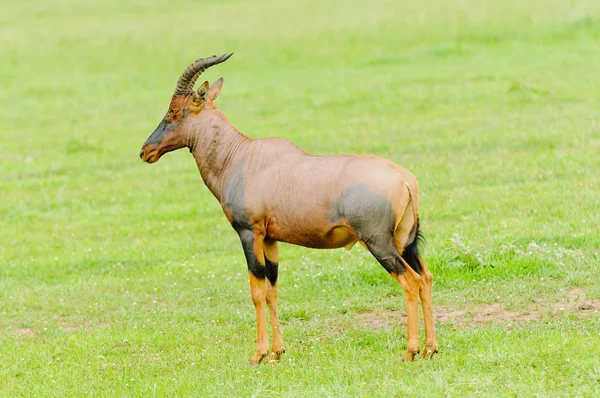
{"x":124,"y":279}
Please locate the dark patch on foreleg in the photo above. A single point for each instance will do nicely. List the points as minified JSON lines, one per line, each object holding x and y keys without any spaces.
{"x":271,"y":264}
{"x":252,"y":243}
{"x":271,"y":271}
{"x":254,"y":260}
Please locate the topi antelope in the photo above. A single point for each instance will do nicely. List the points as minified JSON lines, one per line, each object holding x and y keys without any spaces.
{"x":272,"y":191}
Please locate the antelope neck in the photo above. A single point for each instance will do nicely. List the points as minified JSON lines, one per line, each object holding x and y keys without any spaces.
{"x":216,"y":145}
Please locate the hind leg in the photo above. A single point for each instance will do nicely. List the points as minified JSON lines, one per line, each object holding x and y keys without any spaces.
{"x":410,"y":281}
{"x":425,"y":292}
{"x":373,"y":218}
{"x":388,"y":257}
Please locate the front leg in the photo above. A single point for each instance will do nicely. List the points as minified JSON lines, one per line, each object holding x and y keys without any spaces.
{"x":252,"y":243}
{"x":271,"y":260}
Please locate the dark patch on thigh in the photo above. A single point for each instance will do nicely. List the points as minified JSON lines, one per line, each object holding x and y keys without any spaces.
{"x":370,"y":214}
{"x":385,"y":252}
{"x":383,"y":249}
{"x":411,"y":251}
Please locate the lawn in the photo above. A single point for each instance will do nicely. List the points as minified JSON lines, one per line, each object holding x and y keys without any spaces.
{"x":123,"y":279}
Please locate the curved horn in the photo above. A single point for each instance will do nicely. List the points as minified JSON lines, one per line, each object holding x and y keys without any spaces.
{"x":185,"y":83}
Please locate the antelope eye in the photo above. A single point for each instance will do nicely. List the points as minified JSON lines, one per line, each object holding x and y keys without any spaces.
{"x":171,"y":116}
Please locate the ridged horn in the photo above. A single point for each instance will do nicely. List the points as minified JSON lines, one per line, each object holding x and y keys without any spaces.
{"x":185,"y":83}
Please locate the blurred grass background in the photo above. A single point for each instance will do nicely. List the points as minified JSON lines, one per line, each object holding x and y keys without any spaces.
{"x":123,"y":279}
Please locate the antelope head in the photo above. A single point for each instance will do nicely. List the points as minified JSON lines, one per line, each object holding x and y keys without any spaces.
{"x":186,"y":105}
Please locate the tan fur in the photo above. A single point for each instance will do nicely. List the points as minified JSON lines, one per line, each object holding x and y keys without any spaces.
{"x":258,"y":292}
{"x":287,"y":195}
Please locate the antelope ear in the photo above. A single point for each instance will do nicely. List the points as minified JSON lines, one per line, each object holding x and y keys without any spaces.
{"x":200,"y":94}
{"x":215,"y":89}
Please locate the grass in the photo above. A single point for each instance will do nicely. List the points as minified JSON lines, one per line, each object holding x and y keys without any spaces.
{"x":121,"y":279}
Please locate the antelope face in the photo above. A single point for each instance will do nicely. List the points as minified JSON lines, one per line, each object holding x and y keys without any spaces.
{"x":169,"y":135}
{"x":172,"y":132}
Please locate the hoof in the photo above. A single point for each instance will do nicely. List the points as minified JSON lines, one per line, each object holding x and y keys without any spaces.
{"x":430,"y":352}
{"x":410,"y":355}
{"x":276,"y":355}
{"x":257,"y":358}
